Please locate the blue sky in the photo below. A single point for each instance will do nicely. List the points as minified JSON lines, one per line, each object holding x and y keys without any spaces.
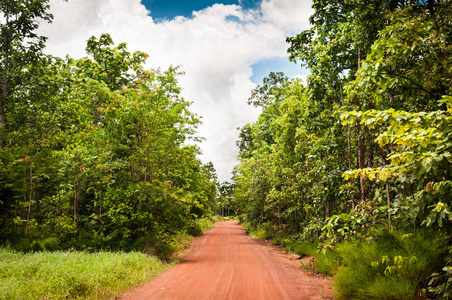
{"x":224,"y":50}
{"x":164,"y":9}
{"x":280,"y":64}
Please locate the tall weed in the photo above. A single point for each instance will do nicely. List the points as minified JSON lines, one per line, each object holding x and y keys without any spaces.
{"x":327,"y":263}
{"x":393,"y":266}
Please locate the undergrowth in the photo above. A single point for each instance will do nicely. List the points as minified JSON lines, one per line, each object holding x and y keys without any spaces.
{"x":393,"y":266}
{"x":326,"y":263}
{"x":261,"y":232}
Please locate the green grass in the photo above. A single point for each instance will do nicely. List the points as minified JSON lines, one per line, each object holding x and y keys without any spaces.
{"x":326,"y":263}
{"x":362,"y":273}
{"x":73,"y":275}
{"x":302,"y":248}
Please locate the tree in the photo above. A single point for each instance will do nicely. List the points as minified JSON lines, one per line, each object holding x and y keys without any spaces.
{"x":19,"y":46}
{"x":97,"y":153}
{"x":226,"y":190}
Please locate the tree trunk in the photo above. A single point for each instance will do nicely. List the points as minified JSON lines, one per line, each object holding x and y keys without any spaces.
{"x":361,"y":152}
{"x":370,"y":150}
{"x":370,"y":160}
{"x":349,"y":150}
{"x":75,"y":202}
{"x":29,"y":201}
{"x":389,"y":204}
{"x":4,"y":94}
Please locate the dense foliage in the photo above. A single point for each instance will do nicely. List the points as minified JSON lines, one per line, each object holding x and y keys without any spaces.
{"x":94,"y":152}
{"x":364,"y":147}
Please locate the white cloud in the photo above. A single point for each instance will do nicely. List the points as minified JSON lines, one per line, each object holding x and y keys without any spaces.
{"x":302,"y":78}
{"x":215,"y":51}
{"x":287,"y":14}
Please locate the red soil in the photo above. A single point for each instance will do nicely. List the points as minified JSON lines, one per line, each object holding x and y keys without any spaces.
{"x":225,"y":263}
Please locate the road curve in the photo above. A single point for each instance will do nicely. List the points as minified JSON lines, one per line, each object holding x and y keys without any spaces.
{"x":225,"y":263}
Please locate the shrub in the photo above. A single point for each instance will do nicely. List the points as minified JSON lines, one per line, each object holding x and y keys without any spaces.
{"x":50,"y":244}
{"x":165,"y":250}
{"x":262,"y":232}
{"x":216,"y":218}
{"x":278,"y":241}
{"x":195,"y":229}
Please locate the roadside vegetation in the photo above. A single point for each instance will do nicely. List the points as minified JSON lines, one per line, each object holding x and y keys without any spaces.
{"x":96,"y":153}
{"x":74,"y":275}
{"x":354,"y":165}
{"x":394,"y":265}
{"x":43,"y":272}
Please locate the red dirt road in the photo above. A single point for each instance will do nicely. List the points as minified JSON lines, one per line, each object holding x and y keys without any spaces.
{"x":225,"y":263}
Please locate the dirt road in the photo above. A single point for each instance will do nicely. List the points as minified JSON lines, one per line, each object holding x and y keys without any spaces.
{"x":227,"y":264}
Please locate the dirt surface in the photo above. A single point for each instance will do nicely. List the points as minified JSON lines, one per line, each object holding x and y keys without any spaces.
{"x":225,"y":263}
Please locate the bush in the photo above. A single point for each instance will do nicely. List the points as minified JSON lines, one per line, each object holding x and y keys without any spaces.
{"x":217,"y":218}
{"x":165,"y":250}
{"x":37,"y":245}
{"x":195,"y":229}
{"x":50,"y":244}
{"x":278,"y":241}
{"x":261,"y":232}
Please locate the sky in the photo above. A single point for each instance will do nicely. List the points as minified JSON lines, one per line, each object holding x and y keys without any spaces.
{"x":225,"y":49}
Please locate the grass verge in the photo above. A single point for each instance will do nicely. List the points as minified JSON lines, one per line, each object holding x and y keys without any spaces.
{"x":396,"y":265}
{"x":73,"y":275}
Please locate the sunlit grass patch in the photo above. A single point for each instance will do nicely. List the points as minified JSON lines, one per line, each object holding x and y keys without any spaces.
{"x":70,"y":275}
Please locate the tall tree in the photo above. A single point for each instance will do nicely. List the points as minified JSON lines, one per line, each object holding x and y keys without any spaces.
{"x":19,"y":46}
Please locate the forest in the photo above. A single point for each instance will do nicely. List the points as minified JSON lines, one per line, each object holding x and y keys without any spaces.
{"x":356,"y":161}
{"x":95,"y":152}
